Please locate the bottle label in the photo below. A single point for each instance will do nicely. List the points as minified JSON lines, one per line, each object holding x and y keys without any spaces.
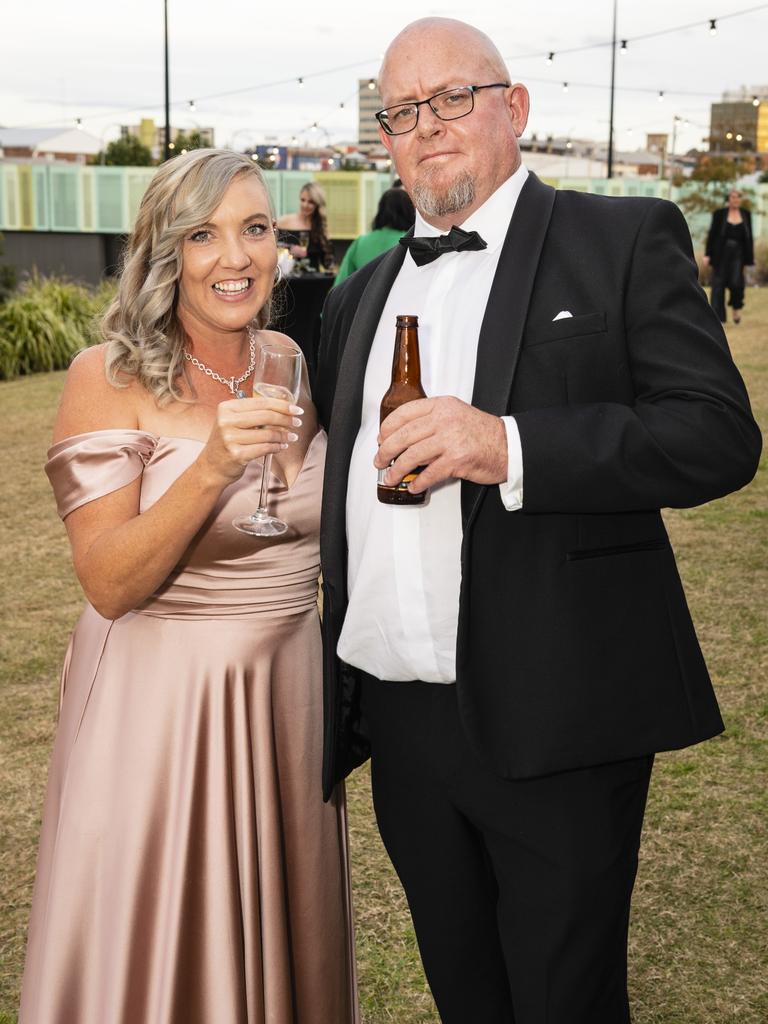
{"x":402,"y":486}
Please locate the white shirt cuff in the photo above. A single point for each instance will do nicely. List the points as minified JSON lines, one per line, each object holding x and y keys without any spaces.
{"x":511,"y":490}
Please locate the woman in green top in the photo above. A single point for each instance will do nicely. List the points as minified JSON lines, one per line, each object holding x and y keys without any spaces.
{"x":394,"y":217}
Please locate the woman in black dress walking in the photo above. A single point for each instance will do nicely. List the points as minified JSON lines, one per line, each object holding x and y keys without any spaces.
{"x":729,"y":249}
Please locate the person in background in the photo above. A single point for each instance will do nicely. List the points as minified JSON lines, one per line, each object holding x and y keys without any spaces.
{"x":188,"y":870}
{"x":730,"y":248}
{"x":394,"y":217}
{"x":311,"y":221}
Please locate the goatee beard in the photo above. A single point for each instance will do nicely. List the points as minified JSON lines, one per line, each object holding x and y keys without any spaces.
{"x":433,"y":203}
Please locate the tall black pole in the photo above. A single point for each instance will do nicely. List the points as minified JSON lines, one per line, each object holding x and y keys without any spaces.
{"x":613,"y":89}
{"x":167,"y":146}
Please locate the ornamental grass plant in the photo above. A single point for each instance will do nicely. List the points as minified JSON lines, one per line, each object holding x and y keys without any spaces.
{"x":46,"y":322}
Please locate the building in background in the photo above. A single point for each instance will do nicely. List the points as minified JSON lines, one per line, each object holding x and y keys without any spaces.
{"x":72,"y":144}
{"x":152,"y":135}
{"x":739,"y":122}
{"x":368,"y":102}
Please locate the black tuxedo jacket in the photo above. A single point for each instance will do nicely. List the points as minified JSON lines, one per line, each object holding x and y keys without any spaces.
{"x":575,"y":645}
{"x":716,"y":237}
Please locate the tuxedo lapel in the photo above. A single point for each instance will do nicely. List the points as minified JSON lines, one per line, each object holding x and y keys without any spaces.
{"x":501,"y":333}
{"x":346,"y":414}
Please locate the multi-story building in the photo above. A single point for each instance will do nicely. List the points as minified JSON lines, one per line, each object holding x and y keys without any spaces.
{"x":368,"y":102}
{"x":739,"y":122}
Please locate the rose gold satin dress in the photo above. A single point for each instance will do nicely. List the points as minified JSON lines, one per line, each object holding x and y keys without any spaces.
{"x":189,"y":872}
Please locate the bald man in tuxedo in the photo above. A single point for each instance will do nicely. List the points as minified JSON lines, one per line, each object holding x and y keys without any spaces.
{"x":513,"y":653}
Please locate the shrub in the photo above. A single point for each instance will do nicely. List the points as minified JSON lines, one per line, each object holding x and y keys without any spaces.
{"x":45,"y":323}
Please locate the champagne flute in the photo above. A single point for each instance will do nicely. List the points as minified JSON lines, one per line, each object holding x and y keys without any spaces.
{"x":277,"y":375}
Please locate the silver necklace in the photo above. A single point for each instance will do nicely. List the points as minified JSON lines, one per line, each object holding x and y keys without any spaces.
{"x":233,"y":383}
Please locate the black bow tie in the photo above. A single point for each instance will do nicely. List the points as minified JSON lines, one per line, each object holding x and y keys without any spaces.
{"x":424,"y":250}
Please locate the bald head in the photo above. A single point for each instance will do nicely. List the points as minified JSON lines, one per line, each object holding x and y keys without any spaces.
{"x":450,"y":164}
{"x":450,"y":36}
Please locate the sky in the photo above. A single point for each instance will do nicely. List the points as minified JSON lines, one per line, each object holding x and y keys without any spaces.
{"x":103,"y":63}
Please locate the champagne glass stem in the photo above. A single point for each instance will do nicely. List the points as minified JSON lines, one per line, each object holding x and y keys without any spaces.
{"x":266,"y":466}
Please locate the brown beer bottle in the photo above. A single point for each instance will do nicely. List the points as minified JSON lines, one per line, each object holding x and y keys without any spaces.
{"x":405,"y":387}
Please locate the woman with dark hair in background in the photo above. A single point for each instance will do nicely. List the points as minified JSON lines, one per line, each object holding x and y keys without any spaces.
{"x":394,"y":217}
{"x":730,"y":248}
{"x":311,"y":221}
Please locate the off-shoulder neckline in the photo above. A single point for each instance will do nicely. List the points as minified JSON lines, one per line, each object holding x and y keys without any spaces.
{"x":174,"y":437}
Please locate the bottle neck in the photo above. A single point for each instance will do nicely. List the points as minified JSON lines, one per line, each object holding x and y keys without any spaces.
{"x":406,"y":364}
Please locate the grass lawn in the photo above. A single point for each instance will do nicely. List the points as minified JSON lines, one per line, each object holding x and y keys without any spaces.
{"x":699,"y":942}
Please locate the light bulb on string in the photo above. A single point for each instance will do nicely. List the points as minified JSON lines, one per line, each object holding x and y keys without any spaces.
{"x":755,"y":101}
{"x":661,"y":95}
{"x":79,"y":123}
{"x":301,"y":82}
{"x":191,"y":106}
{"x":623,"y":48}
{"x":550,"y":57}
{"x":565,"y":87}
{"x":713,"y":26}
{"x":371,"y":84}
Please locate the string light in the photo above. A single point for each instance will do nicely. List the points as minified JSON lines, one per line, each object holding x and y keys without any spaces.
{"x":79,"y":123}
{"x":550,"y":56}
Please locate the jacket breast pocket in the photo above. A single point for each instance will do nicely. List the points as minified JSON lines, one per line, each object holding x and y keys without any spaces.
{"x":568,"y":327}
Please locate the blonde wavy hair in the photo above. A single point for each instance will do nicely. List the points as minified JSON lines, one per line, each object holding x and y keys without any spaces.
{"x":144,"y":337}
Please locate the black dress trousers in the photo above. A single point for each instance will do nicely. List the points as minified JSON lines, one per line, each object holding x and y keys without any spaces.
{"x":519,"y":890}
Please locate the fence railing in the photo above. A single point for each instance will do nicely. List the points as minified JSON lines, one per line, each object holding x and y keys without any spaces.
{"x":39,"y":196}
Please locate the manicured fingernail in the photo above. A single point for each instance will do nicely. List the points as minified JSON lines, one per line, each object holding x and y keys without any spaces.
{"x":282,"y":446}
{"x":295,"y":422}
{"x":293,"y":437}
{"x":296,"y":409}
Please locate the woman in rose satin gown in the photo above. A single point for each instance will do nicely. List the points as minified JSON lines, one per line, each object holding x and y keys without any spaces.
{"x":189,"y":872}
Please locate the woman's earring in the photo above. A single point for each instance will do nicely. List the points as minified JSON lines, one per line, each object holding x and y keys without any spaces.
{"x":278,"y":275}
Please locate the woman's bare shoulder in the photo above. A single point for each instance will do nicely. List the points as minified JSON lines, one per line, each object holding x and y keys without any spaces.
{"x":90,"y":401}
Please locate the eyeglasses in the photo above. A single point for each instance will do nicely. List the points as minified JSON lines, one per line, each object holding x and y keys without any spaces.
{"x":448,"y":106}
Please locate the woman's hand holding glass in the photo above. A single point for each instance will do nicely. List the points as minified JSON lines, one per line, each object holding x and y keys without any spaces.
{"x":248,"y":429}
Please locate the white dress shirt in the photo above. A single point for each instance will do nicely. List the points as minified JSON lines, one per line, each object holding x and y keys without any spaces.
{"x":404,"y":569}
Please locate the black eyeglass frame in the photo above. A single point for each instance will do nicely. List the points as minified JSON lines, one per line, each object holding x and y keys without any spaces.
{"x":379,"y":115}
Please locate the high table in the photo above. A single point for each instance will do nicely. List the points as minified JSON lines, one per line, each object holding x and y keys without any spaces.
{"x":299,"y":306}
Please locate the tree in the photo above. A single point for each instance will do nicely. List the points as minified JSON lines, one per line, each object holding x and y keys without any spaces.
{"x":185,"y":142}
{"x":127,"y":151}
{"x":710,"y":182}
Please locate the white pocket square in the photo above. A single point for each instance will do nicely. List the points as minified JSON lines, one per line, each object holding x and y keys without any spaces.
{"x":562,"y":315}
